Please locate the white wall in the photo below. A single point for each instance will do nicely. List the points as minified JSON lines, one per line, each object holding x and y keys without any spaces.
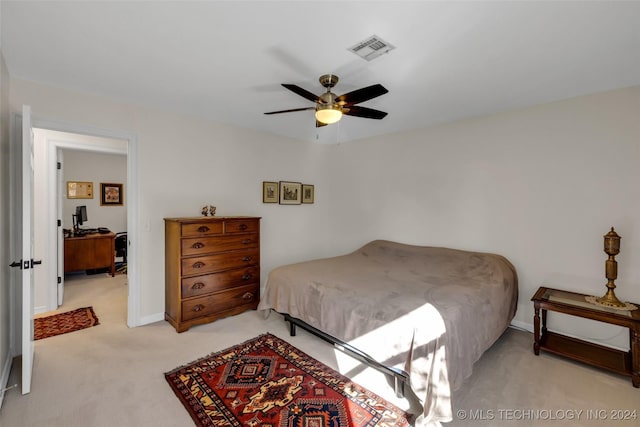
{"x":540,"y":186}
{"x":185,"y":163}
{"x":5,"y":294}
{"x":97,"y":168}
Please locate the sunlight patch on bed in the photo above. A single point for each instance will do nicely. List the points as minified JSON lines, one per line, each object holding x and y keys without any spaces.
{"x":394,"y":342}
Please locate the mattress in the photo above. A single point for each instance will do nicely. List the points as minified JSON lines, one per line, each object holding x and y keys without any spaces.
{"x":427,"y":310}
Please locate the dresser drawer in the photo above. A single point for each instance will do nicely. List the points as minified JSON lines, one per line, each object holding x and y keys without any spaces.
{"x":220,"y":262}
{"x":240,"y":226}
{"x":207,"y":305}
{"x":202,"y":229}
{"x":200,"y":285}
{"x":203,"y":245}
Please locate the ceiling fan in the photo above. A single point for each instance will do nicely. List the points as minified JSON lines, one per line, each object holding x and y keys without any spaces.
{"x":330,"y":107}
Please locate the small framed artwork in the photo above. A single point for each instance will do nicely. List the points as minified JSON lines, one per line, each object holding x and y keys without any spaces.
{"x":111,"y":194}
{"x":269,"y":192}
{"x":307,"y":193}
{"x":79,"y":190}
{"x":290,"y":193}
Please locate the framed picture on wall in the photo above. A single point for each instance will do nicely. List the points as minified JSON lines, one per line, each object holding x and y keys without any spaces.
{"x":290,"y":193}
{"x":307,"y":193}
{"x":111,"y":194}
{"x":79,"y":190}
{"x":269,"y":192}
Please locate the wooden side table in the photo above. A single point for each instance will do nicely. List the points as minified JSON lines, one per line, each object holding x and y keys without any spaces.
{"x":574,"y":304}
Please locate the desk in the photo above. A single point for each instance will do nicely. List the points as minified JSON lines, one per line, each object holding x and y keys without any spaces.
{"x":574,"y":304}
{"x":90,"y":251}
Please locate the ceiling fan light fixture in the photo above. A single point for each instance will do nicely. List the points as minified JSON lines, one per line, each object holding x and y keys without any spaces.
{"x":328,"y":114}
{"x":330,"y":108}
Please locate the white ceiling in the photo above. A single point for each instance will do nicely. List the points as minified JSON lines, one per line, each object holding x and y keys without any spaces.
{"x":225,"y":60}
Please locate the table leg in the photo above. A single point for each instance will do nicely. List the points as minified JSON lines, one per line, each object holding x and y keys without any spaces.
{"x":634,"y":335}
{"x":536,"y":329}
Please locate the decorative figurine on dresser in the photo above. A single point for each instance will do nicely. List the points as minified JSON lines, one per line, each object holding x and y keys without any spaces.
{"x":212,"y":268}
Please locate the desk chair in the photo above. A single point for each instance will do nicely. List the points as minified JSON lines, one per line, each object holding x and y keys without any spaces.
{"x":121,"y":251}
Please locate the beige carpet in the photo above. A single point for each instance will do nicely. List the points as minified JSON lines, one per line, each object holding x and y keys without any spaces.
{"x":113,"y":375}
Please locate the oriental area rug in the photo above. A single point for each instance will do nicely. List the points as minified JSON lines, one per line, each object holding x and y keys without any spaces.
{"x":62,"y":323}
{"x":267,"y":382}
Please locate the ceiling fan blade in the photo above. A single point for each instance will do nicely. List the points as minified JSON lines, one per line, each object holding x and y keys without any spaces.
{"x":291,"y":111}
{"x":302,"y":92}
{"x":320,"y":124}
{"x":361,"y":95}
{"x":367,"y":113}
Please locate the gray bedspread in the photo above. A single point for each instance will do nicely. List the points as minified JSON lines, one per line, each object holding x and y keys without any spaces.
{"x":430,"y":311}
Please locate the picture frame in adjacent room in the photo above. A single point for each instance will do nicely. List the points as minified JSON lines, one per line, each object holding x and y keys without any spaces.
{"x":308,"y":193}
{"x":269,"y":192}
{"x":290,"y":193}
{"x":79,"y":190}
{"x":111,"y":194}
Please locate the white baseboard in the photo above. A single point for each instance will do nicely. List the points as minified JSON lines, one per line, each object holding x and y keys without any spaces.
{"x":516,"y":324}
{"x":41,"y":309}
{"x":153,"y":318}
{"x":4,"y":379}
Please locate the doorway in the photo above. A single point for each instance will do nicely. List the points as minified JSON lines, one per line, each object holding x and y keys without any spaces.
{"x":59,"y":138}
{"x":87,"y":259}
{"x":60,"y":158}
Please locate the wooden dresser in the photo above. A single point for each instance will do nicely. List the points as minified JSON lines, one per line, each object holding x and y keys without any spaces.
{"x":212,"y":268}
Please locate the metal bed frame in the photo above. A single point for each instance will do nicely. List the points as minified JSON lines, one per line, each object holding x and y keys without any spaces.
{"x":400,"y":377}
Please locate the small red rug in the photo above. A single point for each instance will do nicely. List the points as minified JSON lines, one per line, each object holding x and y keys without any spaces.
{"x":268,"y":382}
{"x":61,"y":323}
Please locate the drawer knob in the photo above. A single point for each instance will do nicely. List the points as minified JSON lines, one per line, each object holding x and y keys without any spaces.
{"x":247,"y":296}
{"x":203,"y":229}
{"x":197,"y":285}
{"x":247,"y":258}
{"x":198,"y":264}
{"x":197,"y":307}
{"x":246,"y":241}
{"x":247,"y":276}
{"x":242,"y":227}
{"x":197,"y":245}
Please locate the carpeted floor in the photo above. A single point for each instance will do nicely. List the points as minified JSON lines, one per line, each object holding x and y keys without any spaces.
{"x":113,"y":375}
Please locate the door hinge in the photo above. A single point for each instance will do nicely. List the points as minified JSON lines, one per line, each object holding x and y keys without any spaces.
{"x":59,"y":165}
{"x":59,"y":279}
{"x":59,"y":222}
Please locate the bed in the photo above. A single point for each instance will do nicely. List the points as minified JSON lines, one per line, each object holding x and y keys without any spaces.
{"x":427,"y":313}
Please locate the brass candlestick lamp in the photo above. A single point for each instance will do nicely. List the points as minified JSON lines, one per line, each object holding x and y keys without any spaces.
{"x":611,"y":248}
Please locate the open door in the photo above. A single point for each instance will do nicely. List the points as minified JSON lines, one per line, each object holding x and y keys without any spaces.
{"x":59,"y":193}
{"x":27,"y":249}
{"x":23,"y":213}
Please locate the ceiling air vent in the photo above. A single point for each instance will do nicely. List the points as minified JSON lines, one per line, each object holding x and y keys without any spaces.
{"x":371,"y":48}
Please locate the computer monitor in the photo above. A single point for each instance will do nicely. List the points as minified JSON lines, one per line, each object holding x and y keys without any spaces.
{"x":80,"y":217}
